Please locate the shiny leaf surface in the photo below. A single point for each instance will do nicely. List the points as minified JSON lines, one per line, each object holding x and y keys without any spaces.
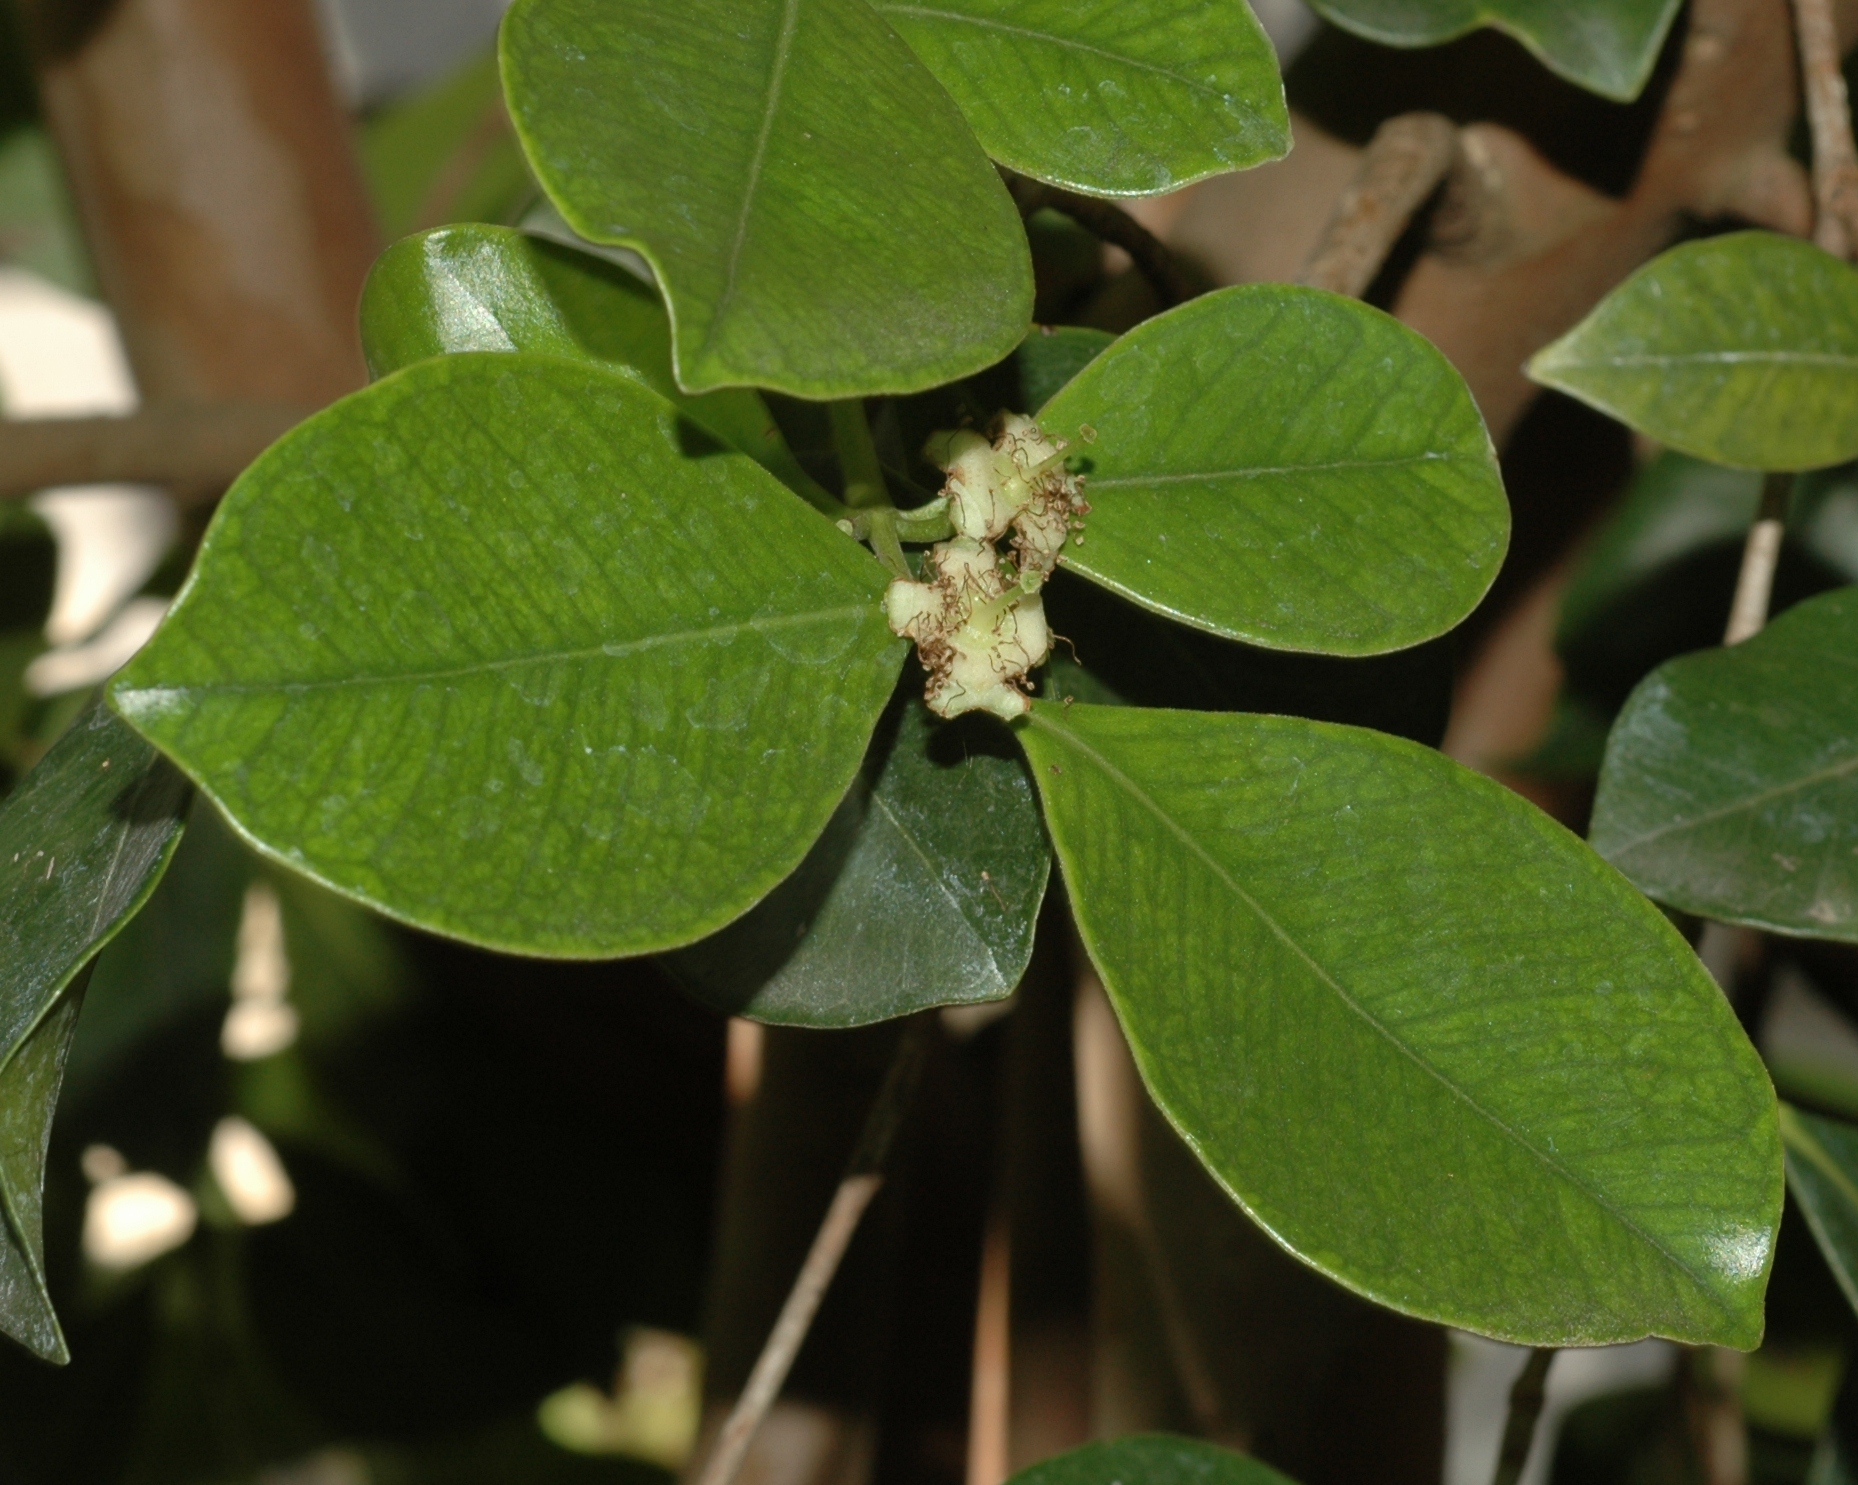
{"x":822,"y":220}
{"x":1730,"y":787}
{"x":1741,"y":349}
{"x":1822,"y":1173}
{"x":476,"y":288}
{"x":1111,"y":97}
{"x":1150,"y":1459}
{"x":1286,"y":467}
{"x":1607,"y":46}
{"x":83,"y":841}
{"x":922,"y":892}
{"x":491,"y":647}
{"x":1426,"y":1038}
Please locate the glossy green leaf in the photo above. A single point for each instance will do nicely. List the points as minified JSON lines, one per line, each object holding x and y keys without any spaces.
{"x":1052,"y":355}
{"x":504,"y":648}
{"x":1822,"y":1173}
{"x":1741,"y":349}
{"x":1150,"y":1459}
{"x":822,"y":220}
{"x":1287,"y":467}
{"x":477,"y":288}
{"x":1431,"y":1043}
{"x":1110,"y":97}
{"x":1730,"y":787}
{"x":83,"y":841}
{"x":922,"y":892}
{"x":1606,"y":46}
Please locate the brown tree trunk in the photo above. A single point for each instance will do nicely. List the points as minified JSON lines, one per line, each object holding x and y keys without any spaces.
{"x":218,"y":187}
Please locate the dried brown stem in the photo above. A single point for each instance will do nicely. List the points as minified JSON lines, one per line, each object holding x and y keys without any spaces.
{"x":1754,"y":584}
{"x":1110,"y":223}
{"x":196,"y":449}
{"x":1403,"y":165}
{"x":864,"y":1176}
{"x":1828,"y":112}
{"x":1526,"y":1397}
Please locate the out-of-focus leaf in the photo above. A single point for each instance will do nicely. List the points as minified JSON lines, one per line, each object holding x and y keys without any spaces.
{"x":446,"y":154}
{"x":1426,"y":1038}
{"x":1730,"y":787}
{"x":1822,"y":1173}
{"x":922,"y":892}
{"x":478,"y":288}
{"x":819,"y":216}
{"x":83,"y":842}
{"x":1741,"y":349}
{"x":1606,"y":46}
{"x":488,"y":647}
{"x":1150,"y":1459}
{"x":1114,"y":97}
{"x":38,"y":224}
{"x":1286,"y":467}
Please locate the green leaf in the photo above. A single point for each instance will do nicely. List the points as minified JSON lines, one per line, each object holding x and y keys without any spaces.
{"x":476,"y":288}
{"x":1150,"y":1459}
{"x":1730,"y":787}
{"x":496,"y":647}
{"x":1052,"y":355}
{"x":1111,"y":98}
{"x":83,"y":842}
{"x":1430,"y":1042}
{"x":1287,"y":467}
{"x":922,"y":892}
{"x":1606,"y":46}
{"x":1822,"y":1173}
{"x":1741,"y":349}
{"x":820,"y":217}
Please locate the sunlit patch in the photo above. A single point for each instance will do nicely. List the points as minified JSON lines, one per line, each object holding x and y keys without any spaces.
{"x":250,"y":1175}
{"x":132,"y":1217}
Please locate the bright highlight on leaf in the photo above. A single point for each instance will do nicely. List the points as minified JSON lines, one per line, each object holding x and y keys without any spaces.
{"x":1741,"y":349}
{"x":1607,"y":46}
{"x":1429,"y":1041}
{"x":922,"y":892}
{"x":1730,"y":787}
{"x":1108,"y":96}
{"x":485,"y":647}
{"x":83,"y":841}
{"x":821,"y":219}
{"x":1286,"y":467}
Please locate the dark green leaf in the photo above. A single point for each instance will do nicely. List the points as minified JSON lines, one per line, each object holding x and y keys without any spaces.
{"x":1730,"y":787}
{"x":1150,"y":1459}
{"x":820,"y":217}
{"x":1052,"y":354}
{"x":1428,"y":1040}
{"x":1607,"y":46}
{"x":1119,"y":99}
{"x":922,"y":892}
{"x":1822,"y":1173}
{"x":1286,"y":467}
{"x":488,"y":647}
{"x":1740,"y":349}
{"x":476,"y":288}
{"x":82,"y":843}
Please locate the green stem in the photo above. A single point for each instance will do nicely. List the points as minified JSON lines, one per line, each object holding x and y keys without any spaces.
{"x":863,"y":475}
{"x":880,"y":529}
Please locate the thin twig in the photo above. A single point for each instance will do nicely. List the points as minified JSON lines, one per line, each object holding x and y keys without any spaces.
{"x":1110,"y":223}
{"x":1526,"y":1396}
{"x":198,"y":449}
{"x":1711,"y":1384}
{"x":864,"y":1175}
{"x":1828,"y":112}
{"x":1754,"y":584}
{"x":1403,"y":165}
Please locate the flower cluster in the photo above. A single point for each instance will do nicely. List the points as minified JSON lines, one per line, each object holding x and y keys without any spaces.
{"x":978,"y":620}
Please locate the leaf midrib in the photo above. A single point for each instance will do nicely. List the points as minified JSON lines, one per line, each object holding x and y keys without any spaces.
{"x":909,"y":839}
{"x":608,"y":651}
{"x":1747,"y":802}
{"x":930,"y":13}
{"x":1262,"y":471}
{"x":1180,"y":832}
{"x":1712,"y":358}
